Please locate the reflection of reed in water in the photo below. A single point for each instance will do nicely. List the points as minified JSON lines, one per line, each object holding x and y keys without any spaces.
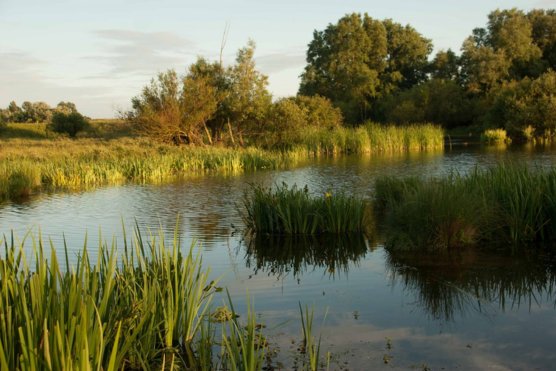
{"x":451,"y":286}
{"x":282,"y":255}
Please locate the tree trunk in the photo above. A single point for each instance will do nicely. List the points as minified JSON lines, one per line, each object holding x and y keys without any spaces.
{"x":208,"y":134}
{"x":231,"y":134}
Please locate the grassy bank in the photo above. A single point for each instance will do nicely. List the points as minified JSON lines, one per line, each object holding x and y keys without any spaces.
{"x":504,"y":204}
{"x":29,"y":166}
{"x":149,"y":308}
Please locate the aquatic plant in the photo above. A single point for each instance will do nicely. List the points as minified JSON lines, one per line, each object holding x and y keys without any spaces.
{"x":311,"y":348}
{"x":284,"y":210}
{"x":506,"y":203}
{"x":495,"y":136}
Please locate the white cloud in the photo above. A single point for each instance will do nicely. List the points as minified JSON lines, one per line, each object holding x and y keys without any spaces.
{"x":133,"y":52}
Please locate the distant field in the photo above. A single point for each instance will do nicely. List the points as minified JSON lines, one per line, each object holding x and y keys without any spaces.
{"x":100,"y":128}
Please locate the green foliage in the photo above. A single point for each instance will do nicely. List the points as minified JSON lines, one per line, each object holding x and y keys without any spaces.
{"x":69,"y":124}
{"x":37,"y":112}
{"x":437,"y":101}
{"x":289,"y":118}
{"x":194,"y":109}
{"x":291,"y":211}
{"x":528,"y":103}
{"x":321,"y":113}
{"x":174,"y":110}
{"x":359,"y":59}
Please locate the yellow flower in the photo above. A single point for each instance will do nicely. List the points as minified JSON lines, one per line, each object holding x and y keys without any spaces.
{"x":328,"y":195}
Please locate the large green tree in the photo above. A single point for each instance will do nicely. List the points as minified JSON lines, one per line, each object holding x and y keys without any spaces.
{"x":360,"y":59}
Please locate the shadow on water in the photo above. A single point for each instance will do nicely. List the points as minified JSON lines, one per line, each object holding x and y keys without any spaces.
{"x":296,"y":255}
{"x":452,"y":286}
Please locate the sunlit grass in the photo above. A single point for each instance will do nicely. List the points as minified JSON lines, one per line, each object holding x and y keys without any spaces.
{"x":495,"y":136}
{"x":507,"y":203}
{"x":290,"y":211}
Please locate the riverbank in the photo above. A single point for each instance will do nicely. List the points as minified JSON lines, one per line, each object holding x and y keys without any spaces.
{"x":31,"y":166}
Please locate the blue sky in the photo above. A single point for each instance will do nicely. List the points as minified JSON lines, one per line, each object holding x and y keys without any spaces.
{"x":99,"y":54}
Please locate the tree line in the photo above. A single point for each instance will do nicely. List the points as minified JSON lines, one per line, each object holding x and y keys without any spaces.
{"x":213,"y":103}
{"x":62,"y":119}
{"x":503,"y":78}
{"x":34,"y":112}
{"x":362,"y":69}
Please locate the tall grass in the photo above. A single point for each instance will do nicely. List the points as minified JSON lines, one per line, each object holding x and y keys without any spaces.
{"x":290,"y":211}
{"x":495,"y":136}
{"x":31,"y":166}
{"x":312,"y":347}
{"x":370,"y":137}
{"x":28,"y":167}
{"x":507,"y":203}
{"x":147,"y":307}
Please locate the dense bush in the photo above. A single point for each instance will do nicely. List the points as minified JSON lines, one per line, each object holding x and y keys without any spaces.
{"x":438,"y":101}
{"x":289,"y":118}
{"x":70,"y":124}
{"x":528,"y":105}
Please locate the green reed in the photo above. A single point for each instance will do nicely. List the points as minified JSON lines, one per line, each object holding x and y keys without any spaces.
{"x":370,"y":137}
{"x":495,"y":136}
{"x":311,"y":347}
{"x":289,"y":211}
{"x":139,"y":311}
{"x":506,"y":203}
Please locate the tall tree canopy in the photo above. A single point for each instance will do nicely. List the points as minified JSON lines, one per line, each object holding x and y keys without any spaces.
{"x":360,"y":59}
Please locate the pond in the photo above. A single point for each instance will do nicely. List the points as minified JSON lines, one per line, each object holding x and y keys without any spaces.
{"x":469,"y":310}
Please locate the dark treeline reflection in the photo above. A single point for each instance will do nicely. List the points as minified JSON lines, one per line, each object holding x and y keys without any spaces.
{"x":452,"y":286}
{"x":284,"y":255}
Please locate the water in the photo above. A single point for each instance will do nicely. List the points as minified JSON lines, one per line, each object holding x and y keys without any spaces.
{"x":469,"y":311}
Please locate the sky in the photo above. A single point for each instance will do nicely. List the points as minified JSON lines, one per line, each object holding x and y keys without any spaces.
{"x":99,"y":54}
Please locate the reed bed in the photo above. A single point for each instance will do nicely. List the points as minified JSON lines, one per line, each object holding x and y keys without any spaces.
{"x":509,"y":203}
{"x":291,"y":211}
{"x":370,"y":137}
{"x":495,"y":136}
{"x":30,"y":166}
{"x":148,"y":307}
{"x":148,"y":310}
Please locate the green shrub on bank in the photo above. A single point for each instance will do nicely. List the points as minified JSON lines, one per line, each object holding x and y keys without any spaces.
{"x":70,"y":124}
{"x":289,"y":211}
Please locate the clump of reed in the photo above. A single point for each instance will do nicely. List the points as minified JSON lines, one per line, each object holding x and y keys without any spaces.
{"x":370,"y":137}
{"x":436,"y":215}
{"x":495,"y":136}
{"x":149,"y":309}
{"x":507,"y":203}
{"x":289,"y":211}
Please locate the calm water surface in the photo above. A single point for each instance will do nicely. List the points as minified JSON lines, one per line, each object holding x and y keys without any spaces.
{"x":465,"y":311}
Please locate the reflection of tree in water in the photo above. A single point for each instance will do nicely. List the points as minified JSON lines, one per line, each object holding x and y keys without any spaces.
{"x":282,"y":255}
{"x":449,"y":285}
